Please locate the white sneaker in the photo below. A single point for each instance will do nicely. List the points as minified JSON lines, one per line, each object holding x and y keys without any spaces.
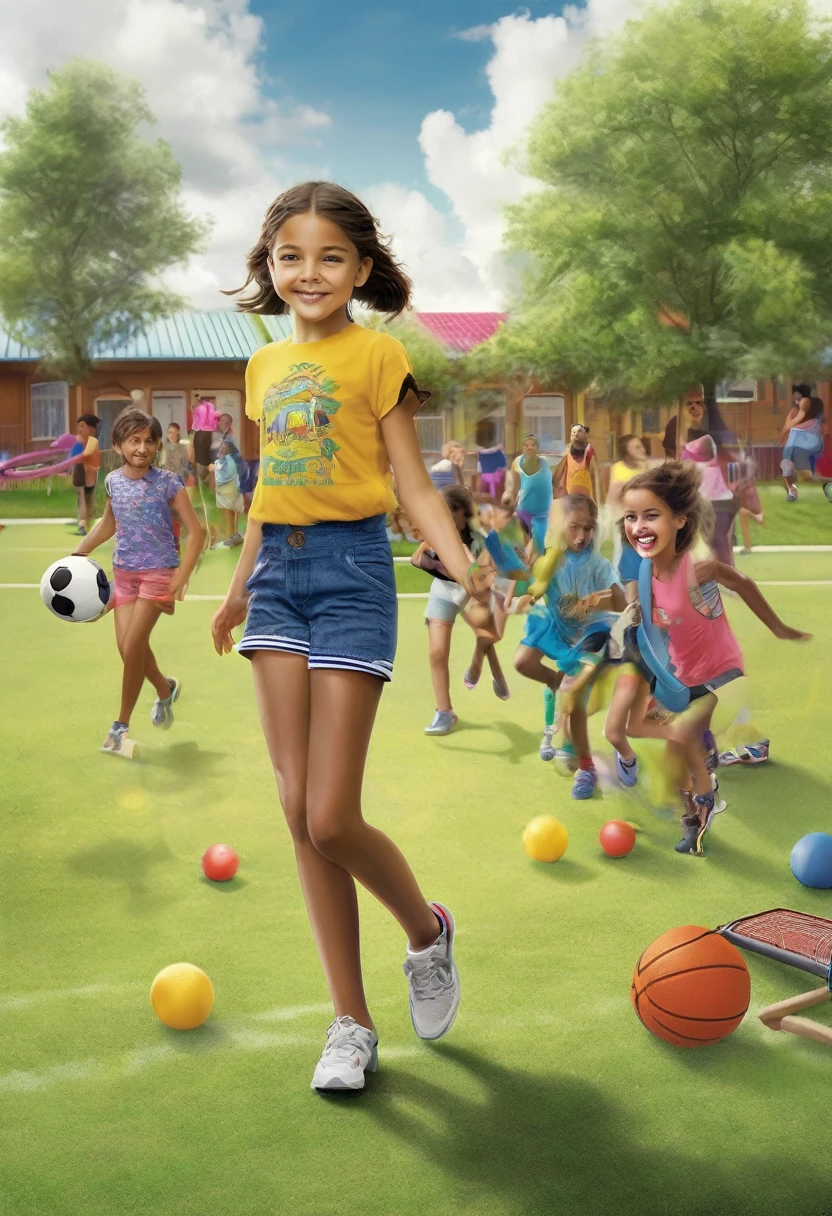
{"x":162,"y":712}
{"x":547,"y":747}
{"x":118,"y":743}
{"x":351,"y":1050}
{"x":434,"y":981}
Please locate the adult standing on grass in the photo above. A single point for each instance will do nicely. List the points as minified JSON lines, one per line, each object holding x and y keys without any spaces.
{"x":335,"y":404}
{"x":85,"y":472}
{"x":146,"y":568}
{"x":529,"y":489}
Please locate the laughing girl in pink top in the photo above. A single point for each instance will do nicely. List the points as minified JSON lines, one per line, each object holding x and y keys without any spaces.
{"x":663,"y":515}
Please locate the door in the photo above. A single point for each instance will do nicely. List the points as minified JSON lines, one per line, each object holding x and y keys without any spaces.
{"x":108,"y":409}
{"x":168,"y":408}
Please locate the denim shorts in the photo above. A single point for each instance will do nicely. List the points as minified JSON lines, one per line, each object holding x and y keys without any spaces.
{"x":327,"y":592}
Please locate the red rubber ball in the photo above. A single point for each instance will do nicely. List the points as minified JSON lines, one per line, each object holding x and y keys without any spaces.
{"x":220,"y":862}
{"x":617,"y":838}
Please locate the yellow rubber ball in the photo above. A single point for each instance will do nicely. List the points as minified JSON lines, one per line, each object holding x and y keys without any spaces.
{"x":545,"y":838}
{"x":182,"y":996}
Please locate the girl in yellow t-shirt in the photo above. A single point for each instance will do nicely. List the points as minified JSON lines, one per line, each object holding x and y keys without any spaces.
{"x":315,"y":585}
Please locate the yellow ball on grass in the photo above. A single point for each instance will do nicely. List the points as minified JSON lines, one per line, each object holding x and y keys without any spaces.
{"x":182,"y":996}
{"x":545,"y":838}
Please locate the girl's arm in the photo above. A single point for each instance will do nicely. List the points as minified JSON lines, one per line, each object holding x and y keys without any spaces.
{"x":196,"y":540}
{"x":512,"y":486}
{"x":103,"y":530}
{"x":422,"y":502}
{"x":232,"y":611}
{"x":794,"y":416}
{"x":750,"y":593}
{"x":613,"y":599}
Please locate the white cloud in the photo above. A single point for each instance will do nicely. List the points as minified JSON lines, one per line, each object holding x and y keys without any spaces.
{"x":470,"y":167}
{"x":197,"y":60}
{"x":474,"y":33}
{"x":445,"y":278}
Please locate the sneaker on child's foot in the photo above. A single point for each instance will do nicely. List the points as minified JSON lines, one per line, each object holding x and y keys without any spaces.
{"x":162,"y":712}
{"x":748,"y":753}
{"x":501,"y":689}
{"x":434,"y":981}
{"x":565,"y":754}
{"x":626,"y":771}
{"x":442,"y":724}
{"x":584,"y":784}
{"x":547,"y":747}
{"x":118,"y":743}
{"x":351,"y":1051}
{"x":827,"y":489}
{"x":692,"y":831}
{"x":791,"y":495}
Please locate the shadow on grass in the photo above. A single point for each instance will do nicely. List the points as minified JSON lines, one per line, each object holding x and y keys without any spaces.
{"x":225,"y":888}
{"x":566,"y":870}
{"x":533,"y":1144}
{"x":521,"y":742}
{"x":185,"y":759}
{"x":210,"y":1036}
{"x":130,"y":863}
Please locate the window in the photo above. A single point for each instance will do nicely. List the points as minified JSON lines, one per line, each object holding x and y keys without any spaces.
{"x":740,"y":390}
{"x":650,"y":424}
{"x":430,"y":429}
{"x":544,"y":416}
{"x":50,"y":409}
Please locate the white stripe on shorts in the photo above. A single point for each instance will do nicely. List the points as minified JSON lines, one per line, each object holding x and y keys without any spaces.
{"x":271,"y":641}
{"x":375,"y":667}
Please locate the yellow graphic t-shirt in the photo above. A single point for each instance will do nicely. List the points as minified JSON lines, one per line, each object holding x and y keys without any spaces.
{"x":319,"y":406}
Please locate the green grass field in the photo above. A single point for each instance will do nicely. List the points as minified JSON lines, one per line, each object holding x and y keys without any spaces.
{"x":547,"y":1097}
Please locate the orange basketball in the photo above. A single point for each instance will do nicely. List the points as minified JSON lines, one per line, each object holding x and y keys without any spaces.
{"x":691,"y":987}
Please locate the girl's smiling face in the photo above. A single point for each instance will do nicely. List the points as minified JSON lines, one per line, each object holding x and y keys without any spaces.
{"x":579,"y":529}
{"x":650,"y":525}
{"x":315,"y":267}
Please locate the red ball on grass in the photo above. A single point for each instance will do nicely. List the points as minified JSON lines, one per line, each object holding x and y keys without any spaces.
{"x":220,"y":862}
{"x":617,"y":838}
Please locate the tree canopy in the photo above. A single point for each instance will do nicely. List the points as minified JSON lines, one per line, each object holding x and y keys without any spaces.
{"x":90,"y":217}
{"x":682,"y":231}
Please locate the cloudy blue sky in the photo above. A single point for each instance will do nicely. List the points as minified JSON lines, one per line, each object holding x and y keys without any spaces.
{"x":413,"y":105}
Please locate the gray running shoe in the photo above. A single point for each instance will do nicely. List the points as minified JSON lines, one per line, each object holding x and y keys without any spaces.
{"x":442,"y":724}
{"x":351,"y":1051}
{"x":547,"y":747}
{"x":434,"y":981}
{"x":162,"y":712}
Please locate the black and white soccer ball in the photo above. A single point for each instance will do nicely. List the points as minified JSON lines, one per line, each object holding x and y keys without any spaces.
{"x":75,"y":589}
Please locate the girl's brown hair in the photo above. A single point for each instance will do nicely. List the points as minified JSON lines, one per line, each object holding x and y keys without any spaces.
{"x":130,"y":422}
{"x":677,"y":485}
{"x":571,"y":504}
{"x":388,"y":288}
{"x":459,"y":498}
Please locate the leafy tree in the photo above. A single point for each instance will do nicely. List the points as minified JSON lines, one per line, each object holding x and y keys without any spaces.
{"x":89,"y":218}
{"x":683,"y":229}
{"x":434,"y":368}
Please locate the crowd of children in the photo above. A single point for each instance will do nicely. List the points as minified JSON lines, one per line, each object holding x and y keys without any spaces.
{"x":315,"y":588}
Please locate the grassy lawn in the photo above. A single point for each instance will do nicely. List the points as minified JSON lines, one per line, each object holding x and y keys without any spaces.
{"x":548,"y":1095}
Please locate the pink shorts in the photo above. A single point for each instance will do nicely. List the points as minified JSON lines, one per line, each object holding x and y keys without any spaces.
{"x":132,"y":585}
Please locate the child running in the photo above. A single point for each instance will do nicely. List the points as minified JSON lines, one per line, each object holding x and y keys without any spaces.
{"x":445,"y":603}
{"x":664,"y":513}
{"x":146,"y":567}
{"x":335,"y":404}
{"x":573,"y":628}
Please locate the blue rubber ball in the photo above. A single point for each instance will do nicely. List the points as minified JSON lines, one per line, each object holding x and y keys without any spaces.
{"x":811,"y":860}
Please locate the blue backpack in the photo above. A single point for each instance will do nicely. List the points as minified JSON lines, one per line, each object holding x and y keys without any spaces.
{"x":670,"y":691}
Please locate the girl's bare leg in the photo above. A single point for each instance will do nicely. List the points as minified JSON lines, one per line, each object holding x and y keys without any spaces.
{"x":624,"y":697}
{"x":439,"y":650}
{"x":134,"y":647}
{"x":745,"y":527}
{"x":579,"y":728}
{"x":528,"y":660}
{"x":343,"y":709}
{"x":152,"y":672}
{"x":282,"y":687}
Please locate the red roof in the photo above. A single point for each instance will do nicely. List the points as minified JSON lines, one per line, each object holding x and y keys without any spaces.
{"x":461,"y":331}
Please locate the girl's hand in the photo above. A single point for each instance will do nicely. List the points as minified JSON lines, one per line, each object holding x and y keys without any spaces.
{"x":178,"y":585}
{"x":231,"y":613}
{"x":787,"y":634}
{"x":479,"y":581}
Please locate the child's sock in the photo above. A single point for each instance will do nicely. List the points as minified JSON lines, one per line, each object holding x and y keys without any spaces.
{"x":548,"y":707}
{"x":628,"y":763}
{"x":586,"y":762}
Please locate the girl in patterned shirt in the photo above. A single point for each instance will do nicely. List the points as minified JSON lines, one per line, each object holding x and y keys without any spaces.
{"x":147,"y":571}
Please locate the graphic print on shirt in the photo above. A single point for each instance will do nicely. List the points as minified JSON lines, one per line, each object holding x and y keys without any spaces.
{"x":298,"y":447}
